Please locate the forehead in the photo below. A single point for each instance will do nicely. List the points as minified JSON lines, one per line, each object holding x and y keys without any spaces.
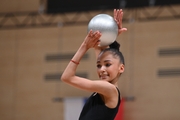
{"x":106,"y":56}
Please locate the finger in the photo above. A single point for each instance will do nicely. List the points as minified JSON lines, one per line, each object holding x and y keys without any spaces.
{"x":96,"y":41}
{"x":121,"y":18}
{"x":122,"y":30}
{"x":96,"y":33}
{"x":97,"y":36}
{"x":115,"y":14}
{"x":90,"y":33}
{"x":97,"y":44}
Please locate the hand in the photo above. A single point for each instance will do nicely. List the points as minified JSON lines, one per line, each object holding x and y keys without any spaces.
{"x":92,"y":39}
{"x":118,"y":15}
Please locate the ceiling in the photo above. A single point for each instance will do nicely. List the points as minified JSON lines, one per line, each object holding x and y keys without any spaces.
{"x":60,"y":6}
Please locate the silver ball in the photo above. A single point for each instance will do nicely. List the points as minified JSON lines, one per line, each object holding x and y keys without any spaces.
{"x":107,"y":26}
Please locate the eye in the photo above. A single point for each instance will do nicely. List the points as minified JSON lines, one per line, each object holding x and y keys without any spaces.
{"x":108,"y":64}
{"x":98,"y":66}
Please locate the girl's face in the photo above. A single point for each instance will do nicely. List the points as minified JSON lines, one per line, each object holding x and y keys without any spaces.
{"x":109,"y":67}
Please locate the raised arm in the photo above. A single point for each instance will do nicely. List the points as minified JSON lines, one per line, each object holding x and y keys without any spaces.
{"x":90,"y":41}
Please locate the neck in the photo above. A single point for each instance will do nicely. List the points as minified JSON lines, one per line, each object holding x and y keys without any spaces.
{"x":115,"y":82}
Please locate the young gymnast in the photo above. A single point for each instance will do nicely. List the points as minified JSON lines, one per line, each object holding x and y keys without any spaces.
{"x":103,"y":104}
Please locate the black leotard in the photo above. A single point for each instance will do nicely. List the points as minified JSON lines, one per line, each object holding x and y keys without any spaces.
{"x":95,"y":109}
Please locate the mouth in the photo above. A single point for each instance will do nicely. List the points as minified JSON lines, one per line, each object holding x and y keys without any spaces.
{"x":103,"y":76}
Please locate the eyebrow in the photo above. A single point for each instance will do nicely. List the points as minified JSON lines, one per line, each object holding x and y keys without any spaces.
{"x":104,"y":61}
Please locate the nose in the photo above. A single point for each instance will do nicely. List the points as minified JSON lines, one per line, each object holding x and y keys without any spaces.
{"x":103,"y":68}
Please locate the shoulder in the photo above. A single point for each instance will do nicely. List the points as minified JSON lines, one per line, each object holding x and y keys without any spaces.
{"x":113,"y":99}
{"x":104,"y":88}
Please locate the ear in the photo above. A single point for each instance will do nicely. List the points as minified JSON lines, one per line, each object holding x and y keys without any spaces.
{"x":121,"y":68}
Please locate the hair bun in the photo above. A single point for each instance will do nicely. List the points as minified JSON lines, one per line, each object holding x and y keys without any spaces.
{"x":115,"y":45}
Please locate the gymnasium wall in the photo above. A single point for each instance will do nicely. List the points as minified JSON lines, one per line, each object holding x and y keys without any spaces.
{"x":19,"y":5}
{"x":31,"y":60}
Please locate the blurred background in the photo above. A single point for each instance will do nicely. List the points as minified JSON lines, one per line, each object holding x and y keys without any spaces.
{"x":39,"y":37}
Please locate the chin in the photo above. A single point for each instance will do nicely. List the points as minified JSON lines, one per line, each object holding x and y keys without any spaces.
{"x":105,"y":79}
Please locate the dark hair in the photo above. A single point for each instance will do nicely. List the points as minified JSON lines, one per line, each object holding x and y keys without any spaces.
{"x":114,"y":49}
